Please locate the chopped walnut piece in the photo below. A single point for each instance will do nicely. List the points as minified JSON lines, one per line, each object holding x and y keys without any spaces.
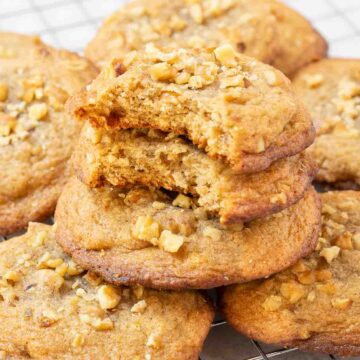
{"x":12,"y":276}
{"x":330,"y":253}
{"x":311,"y":296}
{"x":278,"y":198}
{"x":4,"y":91}
{"x":272,"y":303}
{"x":38,"y":111}
{"x":306,"y":278}
{"x":92,"y":278}
{"x":344,"y":241}
{"x":356,"y":240}
{"x":182,"y":78}
{"x":162,"y":72}
{"x":299,"y":267}
{"x":170,"y":242}
{"x":74,"y":269}
{"x":97,"y":323}
{"x":212,"y":233}
{"x":78,"y":340}
{"x":237,"y":80}
{"x":314,"y":81}
{"x":328,"y":288}
{"x":154,"y":341}
{"x":182,"y":201}
{"x":341,"y":304}
{"x":292,"y":291}
{"x":196,"y":13}
{"x":39,"y":239}
{"x":226,"y":55}
{"x":138,"y":291}
{"x":48,"y":318}
{"x":108,"y":297}
{"x":49,"y":279}
{"x":271,"y":77}
{"x":323,"y":275}
{"x":146,"y":229}
{"x":139,"y":307}
{"x":158,"y":205}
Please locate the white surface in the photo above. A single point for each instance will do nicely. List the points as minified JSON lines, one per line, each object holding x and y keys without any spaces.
{"x":72,"y":23}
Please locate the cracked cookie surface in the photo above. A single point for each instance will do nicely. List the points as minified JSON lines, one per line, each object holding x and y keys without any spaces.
{"x":53,"y":309}
{"x":36,"y":135}
{"x":315,"y":304}
{"x":144,"y":237}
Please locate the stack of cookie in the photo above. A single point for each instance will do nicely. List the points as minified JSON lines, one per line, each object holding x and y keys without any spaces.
{"x":189,"y":172}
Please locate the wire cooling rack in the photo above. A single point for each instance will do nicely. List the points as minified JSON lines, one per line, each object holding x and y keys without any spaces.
{"x":71,"y":24}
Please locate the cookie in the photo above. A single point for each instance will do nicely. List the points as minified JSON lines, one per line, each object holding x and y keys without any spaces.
{"x":139,"y":237}
{"x":52,"y":309}
{"x":314,"y":305}
{"x":298,"y":42}
{"x":331,"y":90}
{"x":212,"y":97}
{"x":151,"y":158}
{"x":36,"y":135}
{"x":265,"y":29}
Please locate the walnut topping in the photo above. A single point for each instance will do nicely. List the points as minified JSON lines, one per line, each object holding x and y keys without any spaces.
{"x":314,"y":81}
{"x":271,"y":77}
{"x":158,"y":205}
{"x":108,"y":297}
{"x":74,"y":269}
{"x":292,"y":291}
{"x":38,"y":111}
{"x":323,"y":275}
{"x":4,"y":90}
{"x":278,"y":198}
{"x":48,"y":318}
{"x":182,"y":201}
{"x":170,"y":242}
{"x":196,"y":13}
{"x":306,"y":278}
{"x":212,"y":233}
{"x":341,"y":304}
{"x":328,"y":288}
{"x":139,"y":307}
{"x":92,"y":278}
{"x":226,"y":55}
{"x":39,"y":239}
{"x":237,"y":80}
{"x":97,"y":323}
{"x":272,"y":303}
{"x":356,"y":240}
{"x":344,"y":241}
{"x":12,"y":276}
{"x":138,"y":291}
{"x":154,"y":341}
{"x":49,"y":280}
{"x":330,"y":253}
{"x":162,"y":72}
{"x":299,"y":267}
{"x":78,"y":340}
{"x":146,"y":229}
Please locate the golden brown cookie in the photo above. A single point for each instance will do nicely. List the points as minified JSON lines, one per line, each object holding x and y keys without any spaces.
{"x":139,"y":237}
{"x":234,"y":107}
{"x":331,"y":90}
{"x":314,"y":305}
{"x":52,"y":309}
{"x":36,"y":135}
{"x":125,"y":158}
{"x":265,"y":29}
{"x":298,"y":43}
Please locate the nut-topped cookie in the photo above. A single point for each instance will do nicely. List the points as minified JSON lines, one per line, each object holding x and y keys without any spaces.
{"x":315,"y":304}
{"x":145,"y":237}
{"x":36,"y":135}
{"x":126,"y":158}
{"x":265,"y":29}
{"x":53,"y":309}
{"x":331,"y":91}
{"x":234,"y":107}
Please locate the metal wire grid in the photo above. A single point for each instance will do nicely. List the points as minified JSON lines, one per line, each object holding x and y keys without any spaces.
{"x":72,"y":23}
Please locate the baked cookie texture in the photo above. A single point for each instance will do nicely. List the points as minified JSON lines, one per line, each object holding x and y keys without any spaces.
{"x":265,"y":29}
{"x":140,"y":237}
{"x":211,"y":96}
{"x":36,"y":135}
{"x":52,"y":309}
{"x":331,"y":91}
{"x":126,"y":158}
{"x":315,"y":304}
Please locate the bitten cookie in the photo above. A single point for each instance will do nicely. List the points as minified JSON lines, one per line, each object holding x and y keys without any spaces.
{"x":265,"y":29}
{"x":124,"y":158}
{"x":236,"y":108}
{"x":139,"y":237}
{"x":331,"y":91}
{"x":36,"y":135}
{"x":52,"y":309}
{"x":314,"y":305}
